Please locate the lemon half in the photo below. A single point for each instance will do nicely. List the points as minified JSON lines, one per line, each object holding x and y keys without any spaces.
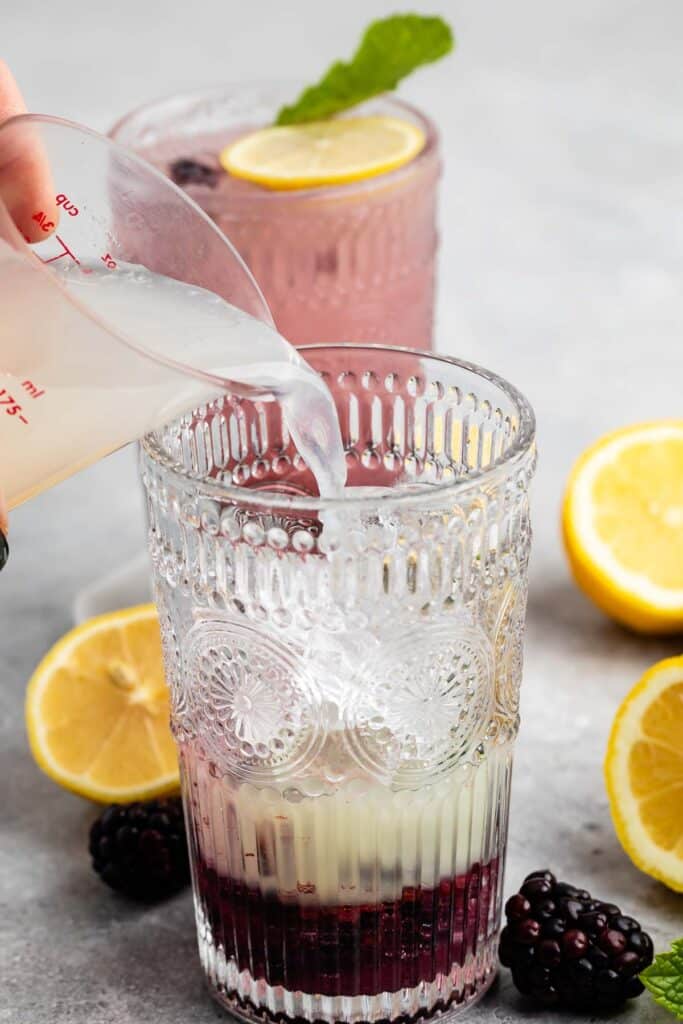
{"x":644,"y":773}
{"x":97,"y":710}
{"x":623,"y":525}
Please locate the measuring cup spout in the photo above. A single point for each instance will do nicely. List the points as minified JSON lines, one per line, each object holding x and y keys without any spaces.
{"x":101,"y":260}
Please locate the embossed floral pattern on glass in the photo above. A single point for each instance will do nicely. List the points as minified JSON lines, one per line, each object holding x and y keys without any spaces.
{"x":345,"y":682}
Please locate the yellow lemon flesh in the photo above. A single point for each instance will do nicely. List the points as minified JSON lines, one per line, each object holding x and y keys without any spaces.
{"x":623,"y":525}
{"x":323,"y":152}
{"x":644,"y":773}
{"x":97,"y":710}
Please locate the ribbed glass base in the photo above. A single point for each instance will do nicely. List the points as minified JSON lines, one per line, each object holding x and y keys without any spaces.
{"x":252,"y":999}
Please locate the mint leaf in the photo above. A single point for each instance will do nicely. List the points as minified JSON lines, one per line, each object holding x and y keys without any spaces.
{"x":664,"y":979}
{"x":389,"y":50}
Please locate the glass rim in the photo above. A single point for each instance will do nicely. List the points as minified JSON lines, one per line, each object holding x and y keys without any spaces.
{"x":322,"y":191}
{"x":416,"y":495}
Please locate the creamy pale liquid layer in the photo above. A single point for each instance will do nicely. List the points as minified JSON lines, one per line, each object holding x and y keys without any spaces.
{"x":362,"y":843}
{"x":75,"y":387}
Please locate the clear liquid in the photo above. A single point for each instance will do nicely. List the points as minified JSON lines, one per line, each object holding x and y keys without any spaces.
{"x":196,"y":328}
{"x":78,"y":392}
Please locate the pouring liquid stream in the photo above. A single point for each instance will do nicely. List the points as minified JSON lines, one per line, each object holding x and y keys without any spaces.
{"x":69,"y":396}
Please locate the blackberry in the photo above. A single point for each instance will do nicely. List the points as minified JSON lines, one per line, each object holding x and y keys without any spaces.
{"x":566,"y":948}
{"x":191,"y":172}
{"x":140,"y":849}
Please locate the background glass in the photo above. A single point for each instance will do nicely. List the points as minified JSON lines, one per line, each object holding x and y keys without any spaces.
{"x":349,"y":263}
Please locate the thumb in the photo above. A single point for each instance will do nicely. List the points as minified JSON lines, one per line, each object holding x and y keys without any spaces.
{"x":25,"y":183}
{"x":4,"y":547}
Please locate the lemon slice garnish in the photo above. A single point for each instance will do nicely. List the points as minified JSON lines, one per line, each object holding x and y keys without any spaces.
{"x":323,"y":152}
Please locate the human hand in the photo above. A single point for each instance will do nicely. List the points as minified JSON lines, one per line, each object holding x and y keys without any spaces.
{"x":25,"y":183}
{"x":4,"y":548}
{"x":25,"y":187}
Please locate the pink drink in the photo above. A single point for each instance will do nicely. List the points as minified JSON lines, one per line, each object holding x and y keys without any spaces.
{"x":348,"y":263}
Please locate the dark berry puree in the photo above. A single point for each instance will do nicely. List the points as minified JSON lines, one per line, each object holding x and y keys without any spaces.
{"x":353,"y":949}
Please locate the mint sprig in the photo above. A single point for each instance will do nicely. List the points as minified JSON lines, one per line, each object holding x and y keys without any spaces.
{"x":664,"y":979}
{"x":389,"y":50}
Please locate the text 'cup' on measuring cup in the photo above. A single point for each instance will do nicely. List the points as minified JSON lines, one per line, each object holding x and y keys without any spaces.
{"x":94,"y":349}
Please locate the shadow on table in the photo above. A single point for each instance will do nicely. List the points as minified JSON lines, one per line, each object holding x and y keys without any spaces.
{"x":144,"y":955}
{"x":558,"y":608}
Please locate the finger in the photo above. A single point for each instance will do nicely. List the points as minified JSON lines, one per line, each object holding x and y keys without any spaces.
{"x":11,"y":100}
{"x":25,"y":183}
{"x":4,"y":547}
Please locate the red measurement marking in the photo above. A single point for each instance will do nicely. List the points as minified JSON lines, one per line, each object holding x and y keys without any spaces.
{"x":11,"y":406}
{"x":32,"y":389}
{"x":67,"y":205}
{"x":41,"y":218}
{"x":108,"y":261}
{"x":66,"y":251}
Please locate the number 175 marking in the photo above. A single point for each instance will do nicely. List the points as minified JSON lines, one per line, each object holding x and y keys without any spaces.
{"x":11,"y":406}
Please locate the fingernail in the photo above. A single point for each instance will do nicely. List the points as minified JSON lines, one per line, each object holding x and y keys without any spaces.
{"x":4,"y":550}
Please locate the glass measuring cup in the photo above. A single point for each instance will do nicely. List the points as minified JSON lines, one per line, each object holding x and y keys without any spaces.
{"x":74,"y":385}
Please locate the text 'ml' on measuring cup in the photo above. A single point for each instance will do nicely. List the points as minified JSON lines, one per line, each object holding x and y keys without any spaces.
{"x":75,"y":381}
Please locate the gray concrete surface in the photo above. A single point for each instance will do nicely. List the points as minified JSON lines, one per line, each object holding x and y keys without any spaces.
{"x":562,"y":231}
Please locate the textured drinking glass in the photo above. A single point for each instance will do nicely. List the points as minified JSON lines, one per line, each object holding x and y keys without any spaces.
{"x":349,"y":263}
{"x":345,"y":681}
